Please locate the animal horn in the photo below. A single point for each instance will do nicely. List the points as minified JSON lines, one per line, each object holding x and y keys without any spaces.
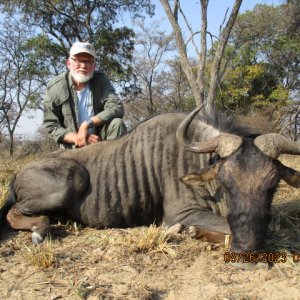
{"x":223,"y":144}
{"x":274,"y":144}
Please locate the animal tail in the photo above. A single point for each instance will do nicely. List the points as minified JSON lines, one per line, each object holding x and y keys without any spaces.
{"x":11,"y":200}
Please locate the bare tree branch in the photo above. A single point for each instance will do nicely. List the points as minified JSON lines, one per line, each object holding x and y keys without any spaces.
{"x":182,"y":51}
{"x":197,"y":83}
{"x":214,"y":75}
{"x":175,"y":13}
{"x":190,"y":30}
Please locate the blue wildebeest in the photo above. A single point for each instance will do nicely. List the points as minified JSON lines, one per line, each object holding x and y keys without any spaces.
{"x":172,"y":168}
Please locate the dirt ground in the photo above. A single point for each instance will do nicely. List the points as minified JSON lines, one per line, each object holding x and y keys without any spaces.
{"x":85,"y":267}
{"x":84,"y":263}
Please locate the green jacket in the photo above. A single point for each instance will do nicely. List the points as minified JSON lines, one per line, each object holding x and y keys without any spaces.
{"x":60,"y":106}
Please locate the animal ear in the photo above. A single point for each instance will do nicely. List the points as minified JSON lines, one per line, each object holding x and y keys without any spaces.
{"x":289,"y":175}
{"x":201,"y":178}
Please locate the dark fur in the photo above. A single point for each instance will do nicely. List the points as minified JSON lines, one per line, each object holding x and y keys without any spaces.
{"x":250,"y":206}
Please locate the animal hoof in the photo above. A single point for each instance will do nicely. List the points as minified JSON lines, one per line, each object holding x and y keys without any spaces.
{"x":177,"y":228}
{"x":192,"y":231}
{"x":36,"y":238}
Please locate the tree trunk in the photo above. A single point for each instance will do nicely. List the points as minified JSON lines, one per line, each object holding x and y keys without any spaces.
{"x":182,"y":52}
{"x":11,"y":144}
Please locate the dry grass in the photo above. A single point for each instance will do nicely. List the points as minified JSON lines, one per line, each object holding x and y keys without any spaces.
{"x":285,"y":225}
{"x":121,"y":243}
{"x":40,"y":256}
{"x":285,"y":234}
{"x":152,"y":239}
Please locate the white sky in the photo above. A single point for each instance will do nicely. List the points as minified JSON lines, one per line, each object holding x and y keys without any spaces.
{"x":216,"y":10}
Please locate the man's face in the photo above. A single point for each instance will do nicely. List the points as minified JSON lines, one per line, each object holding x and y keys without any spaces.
{"x":81,"y":67}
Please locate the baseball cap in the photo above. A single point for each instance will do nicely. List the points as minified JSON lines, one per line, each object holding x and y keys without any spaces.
{"x":82,"y":47}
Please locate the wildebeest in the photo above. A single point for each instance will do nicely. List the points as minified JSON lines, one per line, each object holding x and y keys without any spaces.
{"x":172,"y":168}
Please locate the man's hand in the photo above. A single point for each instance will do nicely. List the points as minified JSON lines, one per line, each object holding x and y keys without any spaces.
{"x":92,"y":139}
{"x":81,"y":139}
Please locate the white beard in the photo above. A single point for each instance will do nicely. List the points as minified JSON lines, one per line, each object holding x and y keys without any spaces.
{"x":81,"y":78}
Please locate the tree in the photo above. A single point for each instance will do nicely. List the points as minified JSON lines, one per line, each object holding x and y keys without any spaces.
{"x":197,"y":82}
{"x":19,"y":87}
{"x":264,"y":65}
{"x":175,"y":90}
{"x":271,"y":34}
{"x":60,"y":23}
{"x":161,"y":84}
{"x":248,"y":87}
{"x":152,"y":49}
{"x":53,"y":27}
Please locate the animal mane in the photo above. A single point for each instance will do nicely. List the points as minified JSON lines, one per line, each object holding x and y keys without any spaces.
{"x":219,"y":120}
{"x":229,"y":123}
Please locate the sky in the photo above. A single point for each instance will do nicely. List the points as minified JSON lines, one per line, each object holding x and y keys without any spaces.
{"x":28,"y":125}
{"x":216,"y":11}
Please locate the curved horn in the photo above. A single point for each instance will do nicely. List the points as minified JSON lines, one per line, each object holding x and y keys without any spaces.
{"x":223,"y":144}
{"x":274,"y":144}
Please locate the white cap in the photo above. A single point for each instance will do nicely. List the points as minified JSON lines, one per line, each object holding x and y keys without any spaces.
{"x":80,"y":47}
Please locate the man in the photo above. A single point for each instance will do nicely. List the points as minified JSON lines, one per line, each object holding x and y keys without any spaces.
{"x":81,"y":106}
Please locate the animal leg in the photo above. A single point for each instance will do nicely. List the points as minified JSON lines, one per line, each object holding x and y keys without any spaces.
{"x":208,"y":235}
{"x":46,"y":186}
{"x":204,"y":219}
{"x":39,"y":226}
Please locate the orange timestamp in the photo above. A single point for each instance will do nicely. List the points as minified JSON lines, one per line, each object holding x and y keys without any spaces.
{"x":251,"y":257}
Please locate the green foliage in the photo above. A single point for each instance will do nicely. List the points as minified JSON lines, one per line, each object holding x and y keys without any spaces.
{"x":47,"y":58}
{"x":114,"y":44}
{"x":33,"y":100}
{"x":271,"y":34}
{"x":251,"y":86}
{"x":261,"y":64}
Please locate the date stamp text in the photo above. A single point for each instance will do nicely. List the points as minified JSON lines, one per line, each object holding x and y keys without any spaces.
{"x":263,"y":257}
